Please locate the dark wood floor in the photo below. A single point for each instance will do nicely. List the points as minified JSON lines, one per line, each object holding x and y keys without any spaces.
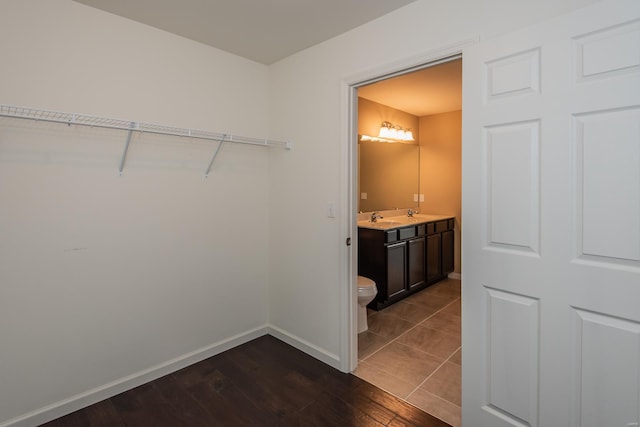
{"x":262,"y":383}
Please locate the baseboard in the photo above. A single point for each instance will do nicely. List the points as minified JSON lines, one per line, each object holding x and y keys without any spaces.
{"x":82,"y":400}
{"x":305,"y":346}
{"x":79,"y":401}
{"x":456,"y":276}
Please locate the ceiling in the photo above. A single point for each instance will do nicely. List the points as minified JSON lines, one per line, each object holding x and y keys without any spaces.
{"x":432,"y":90}
{"x":264,"y":31}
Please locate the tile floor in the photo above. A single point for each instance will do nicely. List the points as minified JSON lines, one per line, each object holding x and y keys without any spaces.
{"x":412,"y":350}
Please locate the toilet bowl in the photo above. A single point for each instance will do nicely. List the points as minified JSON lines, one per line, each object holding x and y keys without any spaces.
{"x":367,"y":291}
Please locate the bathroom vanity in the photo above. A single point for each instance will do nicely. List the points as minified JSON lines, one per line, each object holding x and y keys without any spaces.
{"x":403,"y":255}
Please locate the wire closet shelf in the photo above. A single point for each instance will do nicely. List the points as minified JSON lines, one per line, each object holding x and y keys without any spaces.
{"x":133,"y":126}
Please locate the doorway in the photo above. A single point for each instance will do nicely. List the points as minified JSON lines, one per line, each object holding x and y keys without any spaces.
{"x":412,"y":348}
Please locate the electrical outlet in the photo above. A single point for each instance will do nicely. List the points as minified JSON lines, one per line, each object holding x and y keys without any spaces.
{"x":363,"y":196}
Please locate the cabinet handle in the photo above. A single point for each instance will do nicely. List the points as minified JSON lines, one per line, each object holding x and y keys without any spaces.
{"x":348,"y":241}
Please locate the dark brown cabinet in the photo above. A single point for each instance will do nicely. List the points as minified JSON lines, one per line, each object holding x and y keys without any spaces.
{"x":406,"y":259}
{"x":434,"y":253}
{"x":415,"y":262}
{"x":396,"y":272}
{"x":447,"y":252}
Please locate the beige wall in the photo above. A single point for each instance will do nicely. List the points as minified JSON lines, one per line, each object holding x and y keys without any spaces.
{"x":440,"y":175}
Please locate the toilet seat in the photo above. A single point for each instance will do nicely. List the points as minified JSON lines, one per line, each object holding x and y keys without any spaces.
{"x":364,"y":282}
{"x":366,"y":287}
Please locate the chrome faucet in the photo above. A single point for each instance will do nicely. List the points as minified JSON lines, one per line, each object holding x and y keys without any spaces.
{"x":375,"y":216}
{"x":411,"y":212}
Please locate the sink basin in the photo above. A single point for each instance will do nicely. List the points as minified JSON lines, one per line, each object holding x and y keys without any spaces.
{"x":386,"y":223}
{"x":417,"y":218}
{"x":380,"y":224}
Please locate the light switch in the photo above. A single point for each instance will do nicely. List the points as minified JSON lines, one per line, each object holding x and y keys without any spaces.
{"x":422,"y":197}
{"x":331,"y":210}
{"x":415,"y":197}
{"x":363,"y":196}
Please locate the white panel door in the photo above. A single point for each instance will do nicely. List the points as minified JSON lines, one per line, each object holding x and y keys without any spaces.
{"x":551,"y":214}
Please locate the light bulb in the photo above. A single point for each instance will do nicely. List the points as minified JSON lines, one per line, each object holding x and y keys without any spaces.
{"x":408,"y":135}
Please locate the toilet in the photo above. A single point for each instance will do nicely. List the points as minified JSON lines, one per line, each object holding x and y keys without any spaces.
{"x":367,"y":291}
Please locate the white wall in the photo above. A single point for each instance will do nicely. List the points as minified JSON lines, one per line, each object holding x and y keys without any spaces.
{"x":101,"y":276}
{"x":308,"y":276}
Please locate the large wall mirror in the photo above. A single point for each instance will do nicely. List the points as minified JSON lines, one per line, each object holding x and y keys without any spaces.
{"x":389,"y":175}
{"x":389,"y":171}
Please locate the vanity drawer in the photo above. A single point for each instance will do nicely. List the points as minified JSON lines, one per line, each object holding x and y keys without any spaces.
{"x":430,"y":228}
{"x":442,"y":226}
{"x":452,"y":223}
{"x":421,"y":229}
{"x":407,"y":232}
{"x":390,"y":236}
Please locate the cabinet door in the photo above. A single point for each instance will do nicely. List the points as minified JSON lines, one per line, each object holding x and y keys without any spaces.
{"x":396,"y":268}
{"x":434,"y":261}
{"x":447,"y":252}
{"x":416,"y":260}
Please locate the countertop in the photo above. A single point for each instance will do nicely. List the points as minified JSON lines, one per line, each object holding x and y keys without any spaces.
{"x":388,"y":223}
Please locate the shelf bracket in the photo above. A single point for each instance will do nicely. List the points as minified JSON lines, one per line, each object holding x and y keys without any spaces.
{"x":132,"y":125}
{"x":215,"y":154}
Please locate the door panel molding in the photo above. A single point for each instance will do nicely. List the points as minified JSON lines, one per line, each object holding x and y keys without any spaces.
{"x":513,"y":185}
{"x":608,"y":198}
{"x":514,"y":344}
{"x":513,"y":75}
{"x":602,"y":395}
{"x":610,"y":52}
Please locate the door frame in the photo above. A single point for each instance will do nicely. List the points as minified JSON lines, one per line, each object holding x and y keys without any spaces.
{"x":349,"y":180}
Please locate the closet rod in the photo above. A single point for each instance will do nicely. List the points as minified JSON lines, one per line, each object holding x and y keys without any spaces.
{"x":127,"y":125}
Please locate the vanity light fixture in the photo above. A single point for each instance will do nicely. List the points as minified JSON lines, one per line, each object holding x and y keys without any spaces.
{"x":390,"y":133}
